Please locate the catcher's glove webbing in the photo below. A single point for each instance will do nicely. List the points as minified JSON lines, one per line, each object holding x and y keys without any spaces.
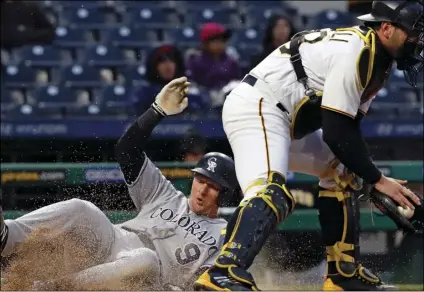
{"x":390,"y":208}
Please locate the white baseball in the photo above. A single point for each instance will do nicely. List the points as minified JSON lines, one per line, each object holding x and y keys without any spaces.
{"x":406,"y":212}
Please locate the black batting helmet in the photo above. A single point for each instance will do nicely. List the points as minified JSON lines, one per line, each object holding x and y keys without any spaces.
{"x":220,"y":168}
{"x":407,"y":15}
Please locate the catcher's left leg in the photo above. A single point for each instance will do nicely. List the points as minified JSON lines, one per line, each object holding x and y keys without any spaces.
{"x":338,"y":214}
{"x":260,"y":140}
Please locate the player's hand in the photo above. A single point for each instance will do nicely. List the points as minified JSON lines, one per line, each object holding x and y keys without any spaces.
{"x":394,"y":189}
{"x":172,"y":98}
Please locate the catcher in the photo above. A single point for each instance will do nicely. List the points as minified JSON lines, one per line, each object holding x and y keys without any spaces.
{"x":300,"y":109}
{"x":172,"y":237}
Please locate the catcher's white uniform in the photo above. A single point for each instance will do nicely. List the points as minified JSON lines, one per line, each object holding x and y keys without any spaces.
{"x":166,"y":237}
{"x":260,"y":133}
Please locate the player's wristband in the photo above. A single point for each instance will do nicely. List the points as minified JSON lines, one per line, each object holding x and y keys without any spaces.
{"x":158,"y":109}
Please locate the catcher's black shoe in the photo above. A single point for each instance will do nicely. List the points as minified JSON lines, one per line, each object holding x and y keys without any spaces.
{"x":4,"y":231}
{"x":362,"y":280}
{"x":225,"y":279}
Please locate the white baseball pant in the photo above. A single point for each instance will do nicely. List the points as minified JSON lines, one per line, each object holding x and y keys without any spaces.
{"x":117,"y":250}
{"x":259,"y":135}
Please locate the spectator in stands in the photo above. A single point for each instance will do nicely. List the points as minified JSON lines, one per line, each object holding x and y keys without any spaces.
{"x":24,"y":23}
{"x":279,"y":30}
{"x":164,"y":64}
{"x":212,"y":67}
{"x":193,"y":147}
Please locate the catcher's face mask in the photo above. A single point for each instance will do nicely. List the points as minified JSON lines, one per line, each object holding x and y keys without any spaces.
{"x":410,"y":58}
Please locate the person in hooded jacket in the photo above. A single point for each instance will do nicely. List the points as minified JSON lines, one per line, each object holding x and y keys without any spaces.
{"x":279,"y":30}
{"x":24,"y":23}
{"x":164,"y":64}
{"x":212,"y":67}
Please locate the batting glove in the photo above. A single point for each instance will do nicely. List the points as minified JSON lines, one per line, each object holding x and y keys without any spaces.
{"x":172,"y":99}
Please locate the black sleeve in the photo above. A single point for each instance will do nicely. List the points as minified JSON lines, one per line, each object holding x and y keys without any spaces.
{"x":129,"y":150}
{"x":343,"y":135}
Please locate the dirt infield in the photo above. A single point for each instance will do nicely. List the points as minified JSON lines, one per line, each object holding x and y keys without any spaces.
{"x":42,"y":258}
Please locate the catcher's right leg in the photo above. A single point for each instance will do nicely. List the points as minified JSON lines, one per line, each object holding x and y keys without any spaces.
{"x":338,"y":214}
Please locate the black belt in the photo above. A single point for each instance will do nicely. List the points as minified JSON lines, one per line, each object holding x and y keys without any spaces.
{"x":251,"y":80}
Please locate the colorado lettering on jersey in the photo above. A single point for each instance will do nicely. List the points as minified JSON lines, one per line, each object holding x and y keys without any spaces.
{"x":187,"y":223}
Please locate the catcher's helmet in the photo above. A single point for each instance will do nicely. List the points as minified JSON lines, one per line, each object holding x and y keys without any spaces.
{"x":220,"y":168}
{"x":407,"y":15}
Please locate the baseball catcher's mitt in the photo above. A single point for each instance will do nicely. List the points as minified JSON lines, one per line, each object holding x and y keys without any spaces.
{"x":390,"y":208}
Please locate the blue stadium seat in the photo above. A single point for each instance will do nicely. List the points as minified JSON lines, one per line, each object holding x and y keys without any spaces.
{"x":200,"y":5}
{"x":133,"y":74}
{"x":410,"y":112}
{"x":202,"y":16}
{"x":52,"y":99}
{"x":113,"y":99}
{"x":131,"y":4}
{"x":7,"y":102}
{"x":18,"y":76}
{"x":183,"y":36}
{"x":71,"y":37}
{"x":82,"y":4}
{"x":280,"y":7}
{"x":128,"y":37}
{"x":104,"y":56}
{"x":246,"y":53}
{"x":259,"y":16}
{"x":41,"y":56}
{"x":248,"y":37}
{"x":147,"y":17}
{"x":89,"y":18}
{"x":331,"y":19}
{"x":81,"y":76}
{"x":22,"y":112}
{"x":396,"y":95}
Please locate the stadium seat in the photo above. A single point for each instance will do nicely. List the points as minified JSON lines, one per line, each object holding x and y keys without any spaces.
{"x":396,"y":96}
{"x":258,"y":17}
{"x":7,"y":101}
{"x":133,"y":74}
{"x":113,"y":100}
{"x":201,"y":5}
{"x":71,"y":37}
{"x":104,"y":56}
{"x":88,"y":18}
{"x":246,"y":54}
{"x":52,"y":99}
{"x":202,"y":16}
{"x":147,"y":18}
{"x":128,"y":37}
{"x":82,"y":4}
{"x":18,"y":76}
{"x":41,"y":56}
{"x":331,"y":19}
{"x":81,"y":76}
{"x":410,"y":112}
{"x":131,"y":4}
{"x":183,"y":36}
{"x":248,"y":37}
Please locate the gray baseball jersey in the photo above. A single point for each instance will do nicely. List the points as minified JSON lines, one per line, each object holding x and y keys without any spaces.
{"x":183,"y":240}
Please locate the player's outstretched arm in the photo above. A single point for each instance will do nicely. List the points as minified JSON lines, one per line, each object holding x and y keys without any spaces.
{"x":129,"y":150}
